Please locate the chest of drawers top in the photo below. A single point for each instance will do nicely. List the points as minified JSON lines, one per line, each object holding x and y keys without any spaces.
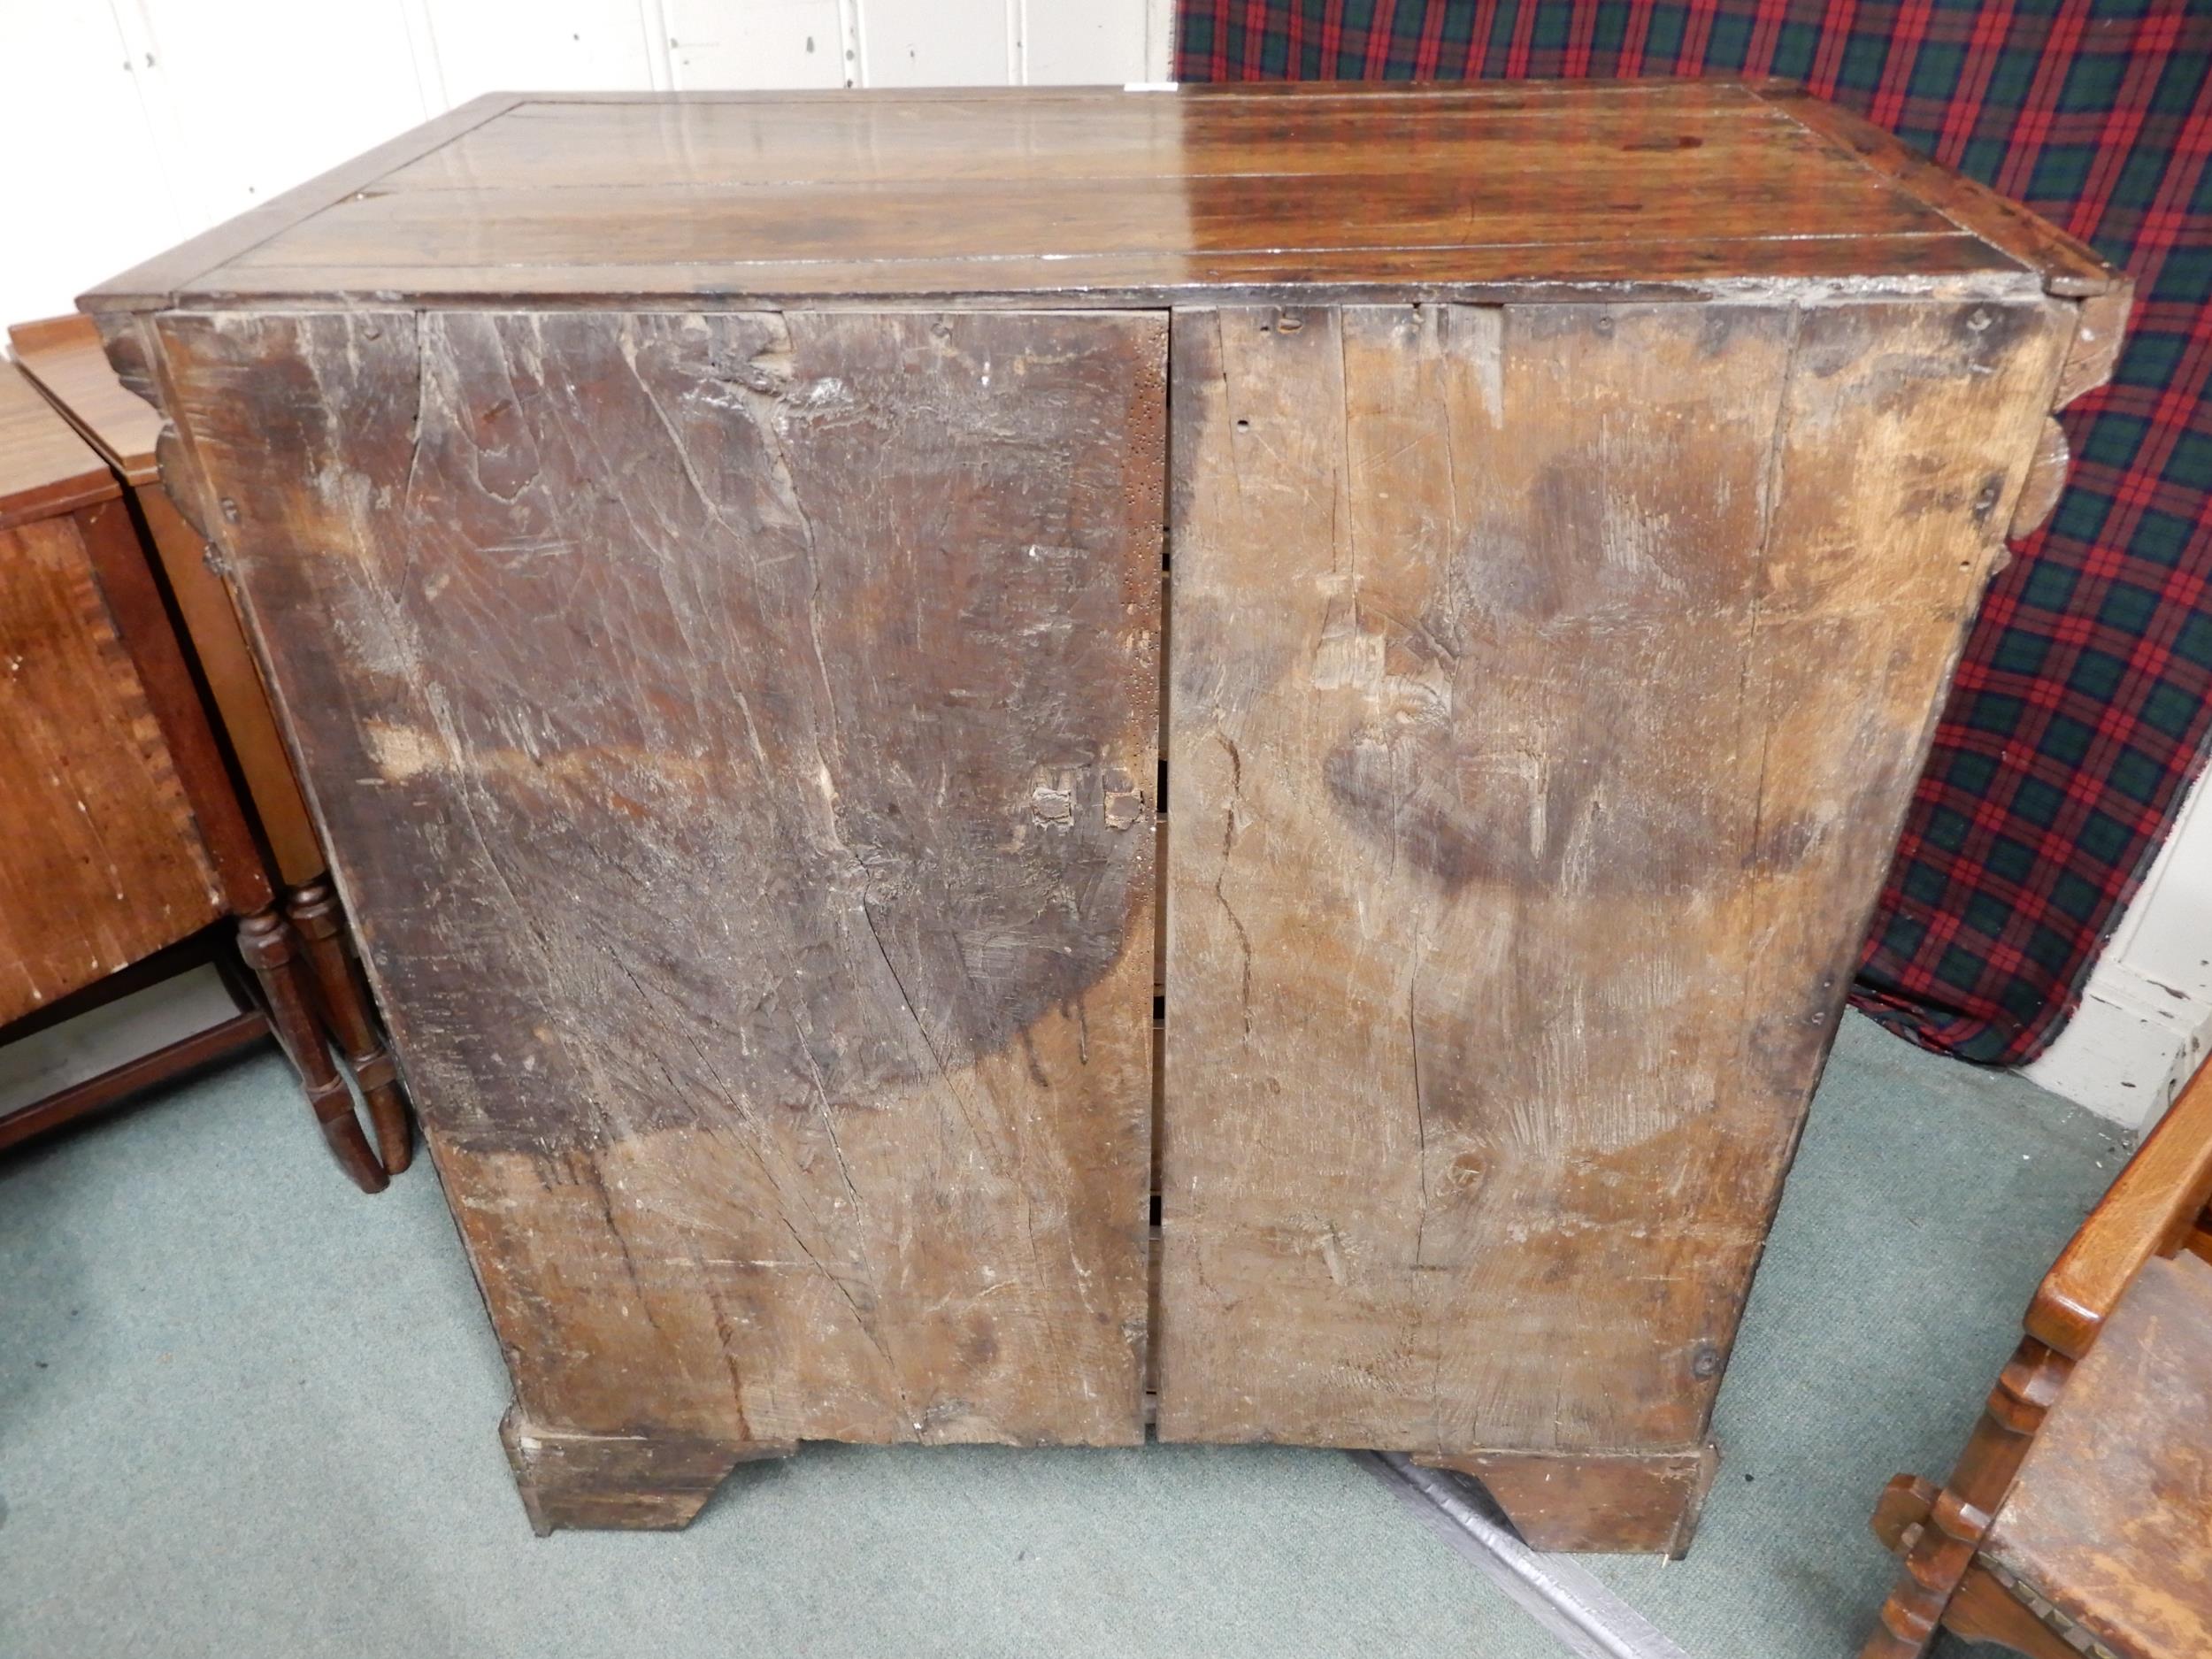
{"x":1308,"y":193}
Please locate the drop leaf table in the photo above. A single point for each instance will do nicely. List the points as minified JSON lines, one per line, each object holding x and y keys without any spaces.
{"x":128,"y":855}
{"x":708,"y":552}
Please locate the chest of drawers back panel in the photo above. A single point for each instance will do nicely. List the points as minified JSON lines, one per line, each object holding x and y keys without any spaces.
{"x":758,"y":717}
{"x":1549,"y":683}
{"x":707,"y":553}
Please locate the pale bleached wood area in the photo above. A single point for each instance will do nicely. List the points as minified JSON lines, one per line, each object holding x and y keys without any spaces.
{"x":1549,"y":683}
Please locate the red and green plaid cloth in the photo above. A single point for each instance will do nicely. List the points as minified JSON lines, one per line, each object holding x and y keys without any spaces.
{"x":2080,"y":710}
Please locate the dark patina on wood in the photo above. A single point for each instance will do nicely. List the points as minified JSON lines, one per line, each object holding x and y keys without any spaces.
{"x":736,"y":735}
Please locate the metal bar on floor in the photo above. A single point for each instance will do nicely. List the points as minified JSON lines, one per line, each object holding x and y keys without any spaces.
{"x":1559,"y":1594}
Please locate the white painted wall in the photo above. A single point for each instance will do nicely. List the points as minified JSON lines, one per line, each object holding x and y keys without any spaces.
{"x":128,"y":125}
{"x":2145,"y":1019}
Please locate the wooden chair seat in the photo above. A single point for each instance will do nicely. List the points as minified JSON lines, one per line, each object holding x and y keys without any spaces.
{"x":2078,"y":1518}
{"x":2107,"y":1533}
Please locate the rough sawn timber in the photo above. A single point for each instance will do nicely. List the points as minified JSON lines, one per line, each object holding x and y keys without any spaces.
{"x":1549,"y":685}
{"x":735,"y":736}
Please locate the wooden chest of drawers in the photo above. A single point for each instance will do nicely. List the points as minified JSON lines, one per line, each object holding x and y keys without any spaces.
{"x":708,"y":554}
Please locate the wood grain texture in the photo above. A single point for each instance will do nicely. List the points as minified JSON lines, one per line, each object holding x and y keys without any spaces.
{"x":655,"y":1482}
{"x":151,"y":284}
{"x":1597,"y":1505}
{"x":716,"y":612}
{"x":2046,"y":482}
{"x":987,"y":222}
{"x":104,"y":864}
{"x":2154,"y":1210}
{"x":2100,"y":330}
{"x":1105,"y":198}
{"x":234,"y":685}
{"x":65,"y":361}
{"x":735,"y":737}
{"x":2069,"y":266}
{"x":552,"y":142}
{"x":62,"y":354}
{"x":1549,"y":683}
{"x":141,"y":620}
{"x":1938,"y":265}
{"x":1985,"y":1610}
{"x":2110,"y":1515}
{"x":2150,"y":1209}
{"x":45,"y":467}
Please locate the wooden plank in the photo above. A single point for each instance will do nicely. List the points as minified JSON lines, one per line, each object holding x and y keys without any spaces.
{"x":104,"y":864}
{"x":62,"y":354}
{"x":150,"y":284}
{"x":2110,"y":1517}
{"x":1626,"y":183}
{"x":234,"y":684}
{"x":2069,"y":267}
{"x":2100,"y":330}
{"x":1549,"y":685}
{"x":2152,"y":1207}
{"x":1653,"y":92}
{"x":121,"y":564}
{"x":1604,"y":1505}
{"x":735,"y":737}
{"x":992,"y":219}
{"x":224,"y":1041}
{"x":45,"y":467}
{"x":881,"y":140}
{"x":2047,"y":482}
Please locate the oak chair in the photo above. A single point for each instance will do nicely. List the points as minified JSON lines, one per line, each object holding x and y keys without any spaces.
{"x":2078,"y":1520}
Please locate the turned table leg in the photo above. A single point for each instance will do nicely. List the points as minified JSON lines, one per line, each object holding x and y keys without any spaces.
{"x":267,"y":946}
{"x":1938,"y":1531}
{"x":314,"y":914}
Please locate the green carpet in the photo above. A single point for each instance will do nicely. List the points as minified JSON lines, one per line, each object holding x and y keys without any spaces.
{"x":245,"y":1411}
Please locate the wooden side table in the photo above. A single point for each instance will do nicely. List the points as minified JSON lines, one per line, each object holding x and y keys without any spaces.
{"x":128,"y":842}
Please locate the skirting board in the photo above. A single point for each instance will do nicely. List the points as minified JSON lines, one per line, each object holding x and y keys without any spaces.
{"x":2145,"y":1024}
{"x":2128,"y":1049}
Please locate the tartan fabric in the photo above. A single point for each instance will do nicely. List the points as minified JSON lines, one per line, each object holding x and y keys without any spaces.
{"x":2080,"y":711}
